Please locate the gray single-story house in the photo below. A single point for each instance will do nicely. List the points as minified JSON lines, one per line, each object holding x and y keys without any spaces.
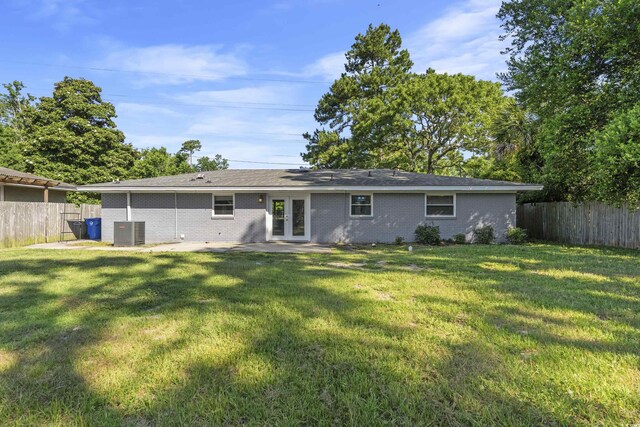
{"x":321,"y":206}
{"x":16,"y":186}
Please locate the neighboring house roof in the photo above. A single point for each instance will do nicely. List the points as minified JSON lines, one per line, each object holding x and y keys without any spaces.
{"x":301,"y":179}
{"x":10,"y":176}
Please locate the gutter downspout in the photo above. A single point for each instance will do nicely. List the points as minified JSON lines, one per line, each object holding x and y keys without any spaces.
{"x":129,"y":206}
{"x":175,"y":205}
{"x":46,"y":214}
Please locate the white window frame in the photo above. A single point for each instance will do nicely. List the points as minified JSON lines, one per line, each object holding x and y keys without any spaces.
{"x":351,"y":204}
{"x":213,"y":205}
{"x":426,"y":201}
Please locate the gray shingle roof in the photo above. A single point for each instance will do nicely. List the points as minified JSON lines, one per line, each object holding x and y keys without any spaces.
{"x":234,"y":178}
{"x":11,"y":176}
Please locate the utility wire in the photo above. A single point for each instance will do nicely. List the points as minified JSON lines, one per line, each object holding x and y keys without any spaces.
{"x":192,"y":76}
{"x":267,"y":163}
{"x":223,"y":102}
{"x":217,"y":106}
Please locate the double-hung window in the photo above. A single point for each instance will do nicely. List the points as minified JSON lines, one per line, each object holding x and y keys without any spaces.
{"x":440,"y":205}
{"x":223,"y":205}
{"x":361,"y":205}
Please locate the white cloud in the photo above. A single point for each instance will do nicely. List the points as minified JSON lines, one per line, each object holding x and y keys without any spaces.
{"x":252,"y":125}
{"x":269,"y":94}
{"x":137,"y":109}
{"x":60,"y":14}
{"x":171,"y":142}
{"x":175,"y":64}
{"x":328,"y":67}
{"x":464,"y":39}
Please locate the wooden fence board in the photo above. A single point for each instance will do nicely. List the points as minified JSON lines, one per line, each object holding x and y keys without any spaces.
{"x":589,"y":223}
{"x":24,"y":223}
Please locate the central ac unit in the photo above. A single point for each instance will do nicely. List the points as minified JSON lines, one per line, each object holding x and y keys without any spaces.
{"x":128,"y":233}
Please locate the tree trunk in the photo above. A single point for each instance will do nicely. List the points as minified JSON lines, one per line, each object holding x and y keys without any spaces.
{"x":430,"y":162}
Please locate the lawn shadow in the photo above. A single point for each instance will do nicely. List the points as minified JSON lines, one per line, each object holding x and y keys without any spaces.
{"x":265,"y":338}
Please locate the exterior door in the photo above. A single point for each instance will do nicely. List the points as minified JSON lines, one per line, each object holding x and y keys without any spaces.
{"x":288,"y":218}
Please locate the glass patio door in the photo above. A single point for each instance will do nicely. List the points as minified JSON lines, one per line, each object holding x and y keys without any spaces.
{"x":288,"y":218}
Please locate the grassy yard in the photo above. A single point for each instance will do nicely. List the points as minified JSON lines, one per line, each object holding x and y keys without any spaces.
{"x":458,"y":335}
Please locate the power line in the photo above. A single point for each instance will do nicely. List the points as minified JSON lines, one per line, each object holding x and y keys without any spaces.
{"x":216,"y":106}
{"x":171,"y":101}
{"x":267,"y":163}
{"x":248,"y":107}
{"x":192,"y":76}
{"x":224,"y":102}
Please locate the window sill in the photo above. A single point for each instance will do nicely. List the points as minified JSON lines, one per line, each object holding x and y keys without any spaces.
{"x":360,"y":216}
{"x":440,"y":217}
{"x":222,"y":217}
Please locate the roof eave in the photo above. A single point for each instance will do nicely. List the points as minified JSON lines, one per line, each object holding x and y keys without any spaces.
{"x":318,"y":188}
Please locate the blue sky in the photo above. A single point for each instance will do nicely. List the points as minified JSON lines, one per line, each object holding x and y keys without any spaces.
{"x":241,"y":76}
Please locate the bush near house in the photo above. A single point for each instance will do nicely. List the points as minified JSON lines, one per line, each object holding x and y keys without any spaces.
{"x":459,"y":239}
{"x":428,"y":234}
{"x":516,"y":235}
{"x":484,"y":235}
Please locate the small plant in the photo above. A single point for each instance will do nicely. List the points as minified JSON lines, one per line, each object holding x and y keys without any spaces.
{"x":428,"y":234}
{"x":516,"y":235}
{"x":459,"y":239}
{"x":484,"y":235}
{"x":399,"y":240}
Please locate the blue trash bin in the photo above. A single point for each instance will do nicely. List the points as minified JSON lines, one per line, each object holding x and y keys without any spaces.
{"x":94,"y":228}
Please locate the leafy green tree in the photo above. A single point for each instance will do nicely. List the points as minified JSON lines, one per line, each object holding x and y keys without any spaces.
{"x":153,"y":162}
{"x":432,"y":118}
{"x":72,"y":137}
{"x":574,"y":65}
{"x":380,"y":114}
{"x":211,"y":164}
{"x":487,"y":166}
{"x":14,"y":112}
{"x":374,"y":64}
{"x":15,"y":108}
{"x":10,"y":150}
{"x":617,"y":158}
{"x":189,"y":147}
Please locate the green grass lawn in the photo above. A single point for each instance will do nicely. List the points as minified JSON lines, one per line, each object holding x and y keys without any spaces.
{"x":458,"y":335}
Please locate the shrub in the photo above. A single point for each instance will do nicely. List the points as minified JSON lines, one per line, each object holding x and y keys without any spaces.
{"x":459,"y":239}
{"x":484,"y":235}
{"x":428,"y":234}
{"x":399,"y":240}
{"x":516,"y":235}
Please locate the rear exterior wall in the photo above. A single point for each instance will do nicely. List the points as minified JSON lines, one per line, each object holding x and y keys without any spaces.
{"x":188,"y":216}
{"x":398,"y":214}
{"x":172,"y":217}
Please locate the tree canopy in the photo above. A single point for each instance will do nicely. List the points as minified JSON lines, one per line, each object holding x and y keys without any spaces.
{"x":205,"y":163}
{"x":574,"y":67}
{"x":380,"y":114}
{"x":189,"y":147}
{"x":72,"y":136}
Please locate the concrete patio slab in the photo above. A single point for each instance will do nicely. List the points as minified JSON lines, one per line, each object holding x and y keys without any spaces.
{"x":270,"y":247}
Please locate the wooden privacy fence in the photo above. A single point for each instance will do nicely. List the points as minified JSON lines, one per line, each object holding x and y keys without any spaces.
{"x":590,"y":223}
{"x":23,"y":223}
